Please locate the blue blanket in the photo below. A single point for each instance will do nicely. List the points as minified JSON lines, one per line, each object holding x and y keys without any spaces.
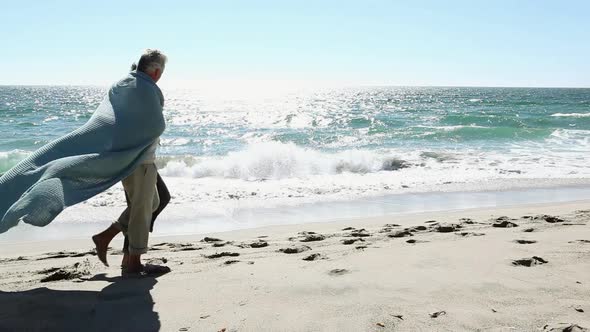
{"x":87,"y":161}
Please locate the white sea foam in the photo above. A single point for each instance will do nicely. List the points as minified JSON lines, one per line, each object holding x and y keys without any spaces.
{"x":268,"y":174}
{"x":571,"y":115}
{"x":570,"y":140}
{"x":174,"y":141}
{"x":51,"y":118}
{"x":450,"y":128}
{"x":293,"y":176}
{"x":8,"y":159}
{"x":274,"y":161}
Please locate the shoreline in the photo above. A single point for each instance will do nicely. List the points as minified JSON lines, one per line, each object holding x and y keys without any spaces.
{"x":83,"y":220}
{"x":405,"y":220}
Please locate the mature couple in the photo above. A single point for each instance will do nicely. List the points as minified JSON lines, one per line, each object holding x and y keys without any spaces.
{"x":117,"y":144}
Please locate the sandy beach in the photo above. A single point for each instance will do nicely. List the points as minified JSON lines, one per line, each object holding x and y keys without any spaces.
{"x":519,"y":268}
{"x":291,"y":166}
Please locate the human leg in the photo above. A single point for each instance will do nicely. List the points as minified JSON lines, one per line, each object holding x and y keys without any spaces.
{"x":144,"y":200}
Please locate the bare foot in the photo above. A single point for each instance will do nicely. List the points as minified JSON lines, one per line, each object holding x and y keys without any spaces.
{"x":102,"y":245}
{"x":134,"y":264}
{"x":102,"y":240}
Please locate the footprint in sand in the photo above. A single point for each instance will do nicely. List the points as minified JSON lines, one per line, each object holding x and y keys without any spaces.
{"x":295,"y":250}
{"x":525,"y":241}
{"x":467,"y":221}
{"x":187,"y":249}
{"x":416,"y":229}
{"x":502,"y":218}
{"x":338,"y":272}
{"x":256,"y":244}
{"x":313,"y":257}
{"x":175,"y":247}
{"x":75,"y":271}
{"x":447,"y":228}
{"x":159,"y":246}
{"x":211,"y":239}
{"x":528,"y":262}
{"x":564,"y":327}
{"x":157,"y":261}
{"x":68,"y":254}
{"x":183,"y":247}
{"x":468,"y":234}
{"x":398,"y":234}
{"x":437,"y":314}
{"x":388,"y":228}
{"x":352,"y":241}
{"x":360,"y":233}
{"x":504,"y":222}
{"x":412,"y":241}
{"x":259,"y":244}
{"x":548,"y":218}
{"x":223,"y":254}
{"x":311,"y":237}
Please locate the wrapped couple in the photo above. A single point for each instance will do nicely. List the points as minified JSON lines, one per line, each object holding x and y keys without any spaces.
{"x":117,"y":144}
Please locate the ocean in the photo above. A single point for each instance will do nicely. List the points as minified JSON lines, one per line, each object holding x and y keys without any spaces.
{"x":332,"y":145}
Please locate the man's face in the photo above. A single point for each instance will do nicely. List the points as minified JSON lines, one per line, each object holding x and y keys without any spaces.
{"x":157,"y":74}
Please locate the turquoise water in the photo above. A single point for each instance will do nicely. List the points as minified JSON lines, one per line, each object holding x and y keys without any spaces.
{"x":233,"y":160}
{"x":345,"y":141}
{"x":364,"y":118}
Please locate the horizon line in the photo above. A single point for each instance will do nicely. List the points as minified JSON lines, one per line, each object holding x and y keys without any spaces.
{"x":328,"y":86}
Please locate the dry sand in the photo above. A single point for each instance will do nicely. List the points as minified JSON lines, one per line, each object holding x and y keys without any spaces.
{"x":458,"y":275}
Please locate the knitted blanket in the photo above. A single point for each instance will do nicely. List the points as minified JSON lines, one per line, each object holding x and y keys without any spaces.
{"x":87,"y":161}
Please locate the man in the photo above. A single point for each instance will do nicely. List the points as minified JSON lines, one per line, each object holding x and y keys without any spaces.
{"x":164,"y":196}
{"x":106,"y":236}
{"x":142,"y":192}
{"x":117,"y":143}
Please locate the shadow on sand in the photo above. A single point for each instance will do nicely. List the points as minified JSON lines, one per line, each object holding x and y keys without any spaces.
{"x":124,"y":305}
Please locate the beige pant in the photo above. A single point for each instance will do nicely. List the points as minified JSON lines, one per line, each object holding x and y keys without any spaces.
{"x":135,"y":221}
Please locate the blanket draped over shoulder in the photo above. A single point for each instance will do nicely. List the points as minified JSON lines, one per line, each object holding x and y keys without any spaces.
{"x":87,"y":161}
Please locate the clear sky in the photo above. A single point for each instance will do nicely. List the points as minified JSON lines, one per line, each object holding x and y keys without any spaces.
{"x":481,"y":43}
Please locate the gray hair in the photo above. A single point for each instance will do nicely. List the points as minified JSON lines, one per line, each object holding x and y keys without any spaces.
{"x":151,"y":60}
